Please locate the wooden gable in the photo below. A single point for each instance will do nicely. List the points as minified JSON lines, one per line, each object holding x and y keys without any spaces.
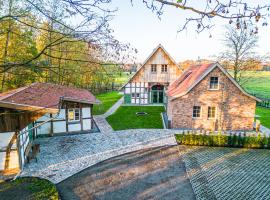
{"x":158,"y":57}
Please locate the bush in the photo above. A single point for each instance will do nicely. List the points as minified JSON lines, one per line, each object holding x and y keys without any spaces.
{"x":222,"y":140}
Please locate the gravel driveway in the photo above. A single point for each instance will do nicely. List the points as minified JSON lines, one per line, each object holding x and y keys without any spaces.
{"x":155,"y":173}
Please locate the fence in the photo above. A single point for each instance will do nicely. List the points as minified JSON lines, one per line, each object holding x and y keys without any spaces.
{"x":265,"y":101}
{"x":102,"y":88}
{"x":224,"y":139}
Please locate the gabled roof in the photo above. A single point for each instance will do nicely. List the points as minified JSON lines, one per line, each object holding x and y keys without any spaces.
{"x":148,"y":58}
{"x":193,"y":75}
{"x":44,"y":96}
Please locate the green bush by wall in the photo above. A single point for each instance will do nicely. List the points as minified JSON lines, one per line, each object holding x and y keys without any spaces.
{"x":221,"y":140}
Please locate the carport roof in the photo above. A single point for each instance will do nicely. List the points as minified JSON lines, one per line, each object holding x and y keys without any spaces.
{"x":46,"y":96}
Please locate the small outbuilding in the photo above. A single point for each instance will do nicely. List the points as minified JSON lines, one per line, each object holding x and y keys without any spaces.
{"x":206,"y":97}
{"x":40,"y":109}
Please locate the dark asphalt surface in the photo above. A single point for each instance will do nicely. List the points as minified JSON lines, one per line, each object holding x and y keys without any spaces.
{"x":156,"y":173}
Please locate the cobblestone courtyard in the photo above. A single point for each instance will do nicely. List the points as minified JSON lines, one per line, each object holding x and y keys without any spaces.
{"x":228,"y":173}
{"x":63,"y":156}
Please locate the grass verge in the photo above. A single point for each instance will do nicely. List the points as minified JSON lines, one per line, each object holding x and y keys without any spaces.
{"x":264,"y":114}
{"x":125,"y":117}
{"x":258,"y":83}
{"x":108,"y":100}
{"x":29,"y":188}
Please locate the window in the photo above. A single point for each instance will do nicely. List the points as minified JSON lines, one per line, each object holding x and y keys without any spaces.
{"x":74,"y":114}
{"x":213,"y":83}
{"x":196,"y":112}
{"x":211,"y":112}
{"x":145,"y":90}
{"x":164,"y":68}
{"x":154,"y":68}
{"x":135,"y":94}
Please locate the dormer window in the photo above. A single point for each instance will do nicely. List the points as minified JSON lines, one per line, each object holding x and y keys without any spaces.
{"x":164,"y":68}
{"x":214,"y":83}
{"x":154,"y":68}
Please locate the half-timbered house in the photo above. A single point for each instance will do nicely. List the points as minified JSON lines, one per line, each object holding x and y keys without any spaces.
{"x":149,"y":83}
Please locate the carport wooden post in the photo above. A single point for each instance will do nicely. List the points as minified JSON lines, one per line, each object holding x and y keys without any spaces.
{"x":19,"y":149}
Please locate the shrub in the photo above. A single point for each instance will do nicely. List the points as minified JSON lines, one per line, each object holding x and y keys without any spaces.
{"x":268,"y":142}
{"x":222,"y":140}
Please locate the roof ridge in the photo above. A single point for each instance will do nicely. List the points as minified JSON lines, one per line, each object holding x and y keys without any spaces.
{"x":58,"y":85}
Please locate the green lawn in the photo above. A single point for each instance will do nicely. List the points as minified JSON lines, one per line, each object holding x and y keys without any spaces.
{"x":107,"y":100}
{"x":123,"y":78}
{"x":264,"y":114}
{"x":258,"y":83}
{"x":28,"y":189}
{"x":125,"y":117}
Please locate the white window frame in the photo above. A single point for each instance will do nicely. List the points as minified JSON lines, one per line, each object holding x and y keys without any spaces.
{"x":210,"y":83}
{"x":200,"y":113}
{"x":133,"y":94}
{"x":74,"y":114}
{"x":163,"y":67}
{"x":208,"y":112}
{"x":155,"y":67}
{"x":137,"y":95}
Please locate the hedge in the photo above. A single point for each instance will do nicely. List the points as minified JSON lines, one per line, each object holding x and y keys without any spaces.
{"x":224,"y":140}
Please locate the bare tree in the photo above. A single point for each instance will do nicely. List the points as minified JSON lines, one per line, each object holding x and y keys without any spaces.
{"x":240,"y":55}
{"x":204,"y":12}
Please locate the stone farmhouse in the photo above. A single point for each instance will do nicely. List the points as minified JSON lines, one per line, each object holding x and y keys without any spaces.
{"x":52,"y":109}
{"x":149,"y":83}
{"x":206,"y":97}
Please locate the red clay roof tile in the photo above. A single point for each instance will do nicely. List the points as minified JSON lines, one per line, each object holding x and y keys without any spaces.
{"x":187,"y":79}
{"x":47,"y":95}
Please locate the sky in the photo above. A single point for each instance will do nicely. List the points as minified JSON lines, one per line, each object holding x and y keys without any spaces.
{"x":137,"y":25}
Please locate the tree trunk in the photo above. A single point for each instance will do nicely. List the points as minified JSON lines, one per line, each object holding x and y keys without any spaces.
{"x":6,"y":47}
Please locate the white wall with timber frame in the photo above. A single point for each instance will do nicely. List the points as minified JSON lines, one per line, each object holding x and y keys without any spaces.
{"x":61,"y":124}
{"x":15,"y":157}
{"x":138,"y":92}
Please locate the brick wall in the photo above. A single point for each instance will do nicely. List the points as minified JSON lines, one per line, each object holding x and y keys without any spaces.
{"x":235,"y":111}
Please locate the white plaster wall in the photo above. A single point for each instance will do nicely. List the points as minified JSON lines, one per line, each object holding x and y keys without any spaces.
{"x":87,"y":124}
{"x":127,"y":90}
{"x":74,"y":127}
{"x":59,"y":126}
{"x":86,"y":112}
{"x":5,"y":138}
{"x":43,"y":129}
{"x":13,"y":162}
{"x":2,"y":160}
{"x":14,"y":158}
{"x":61,"y":115}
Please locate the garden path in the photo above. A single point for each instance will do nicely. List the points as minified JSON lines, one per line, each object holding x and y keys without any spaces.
{"x":101,"y":121}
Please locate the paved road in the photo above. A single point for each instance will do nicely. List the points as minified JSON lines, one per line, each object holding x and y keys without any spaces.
{"x":155,"y":173}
